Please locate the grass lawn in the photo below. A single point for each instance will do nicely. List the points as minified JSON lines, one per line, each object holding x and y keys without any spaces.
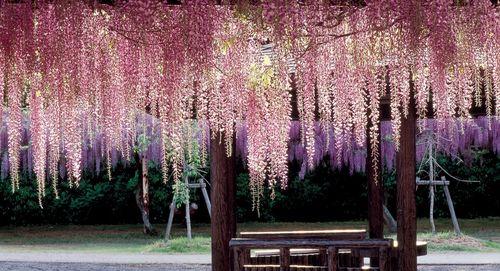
{"x":479,"y":235}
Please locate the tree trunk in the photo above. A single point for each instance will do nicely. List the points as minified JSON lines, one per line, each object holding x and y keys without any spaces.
{"x":406,"y":208}
{"x":142,"y":194}
{"x":223,"y":220}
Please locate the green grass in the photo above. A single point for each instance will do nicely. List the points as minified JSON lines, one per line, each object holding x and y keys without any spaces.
{"x":200,"y":244}
{"x":479,"y":235}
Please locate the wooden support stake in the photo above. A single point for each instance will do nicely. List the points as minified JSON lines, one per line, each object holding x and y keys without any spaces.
{"x":389,"y":220}
{"x":406,"y":194}
{"x":170,"y":221}
{"x":454,"y":219}
{"x":205,"y":196}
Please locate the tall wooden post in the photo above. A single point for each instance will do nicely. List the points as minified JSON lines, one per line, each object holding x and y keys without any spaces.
{"x":375,"y":187}
{"x":223,"y":220}
{"x":406,"y":208}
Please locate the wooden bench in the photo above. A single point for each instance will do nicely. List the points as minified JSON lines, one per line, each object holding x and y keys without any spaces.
{"x":302,"y":257}
{"x":374,"y":248}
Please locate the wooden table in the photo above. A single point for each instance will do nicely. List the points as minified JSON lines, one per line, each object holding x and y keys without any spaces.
{"x":375,"y":248}
{"x":301,"y":256}
{"x":308,"y":256}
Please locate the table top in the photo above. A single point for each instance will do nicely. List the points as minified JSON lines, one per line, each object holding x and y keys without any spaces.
{"x":339,"y":234}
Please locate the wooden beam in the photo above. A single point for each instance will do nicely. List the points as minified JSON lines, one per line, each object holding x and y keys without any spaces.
{"x":435,"y":182}
{"x":406,"y":207}
{"x":223,"y":220}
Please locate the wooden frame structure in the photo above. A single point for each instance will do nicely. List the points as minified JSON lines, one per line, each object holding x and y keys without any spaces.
{"x":223,"y":176}
{"x":444,"y":183}
{"x":203,"y":186}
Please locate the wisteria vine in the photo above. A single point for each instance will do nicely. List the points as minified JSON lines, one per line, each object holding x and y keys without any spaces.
{"x":85,"y":73}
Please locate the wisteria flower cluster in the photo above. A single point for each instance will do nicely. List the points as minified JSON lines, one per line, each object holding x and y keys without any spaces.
{"x":85,"y":73}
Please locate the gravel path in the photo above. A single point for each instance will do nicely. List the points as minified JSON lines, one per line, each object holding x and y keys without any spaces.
{"x":456,"y":258}
{"x":57,"y":261}
{"x":105,"y":258}
{"x":32,"y":266}
{"x":458,"y":268}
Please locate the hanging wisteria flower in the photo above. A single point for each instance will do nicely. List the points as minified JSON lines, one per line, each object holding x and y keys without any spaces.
{"x":93,"y":79}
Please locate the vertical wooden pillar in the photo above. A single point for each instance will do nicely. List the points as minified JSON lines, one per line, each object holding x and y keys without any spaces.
{"x":406,"y":208}
{"x":375,"y":188}
{"x":223,"y":220}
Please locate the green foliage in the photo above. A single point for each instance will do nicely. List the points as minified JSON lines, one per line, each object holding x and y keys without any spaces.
{"x":470,"y":200}
{"x":96,"y":201}
{"x":142,"y":143}
{"x":193,"y":168}
{"x":181,"y":193}
{"x":323,"y":195}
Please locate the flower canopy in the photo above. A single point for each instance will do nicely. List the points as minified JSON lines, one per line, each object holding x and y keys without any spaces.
{"x":86,"y":71}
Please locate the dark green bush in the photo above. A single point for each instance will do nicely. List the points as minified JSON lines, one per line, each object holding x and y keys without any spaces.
{"x":323,"y":195}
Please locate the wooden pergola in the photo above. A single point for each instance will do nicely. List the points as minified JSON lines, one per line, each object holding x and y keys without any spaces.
{"x":223,"y":175}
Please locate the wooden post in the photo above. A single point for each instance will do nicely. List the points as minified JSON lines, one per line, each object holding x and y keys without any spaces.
{"x":285,"y":259}
{"x":375,"y":185}
{"x":375,"y":188}
{"x":332,"y":259}
{"x":238,"y":260}
{"x":406,"y":207}
{"x":383,"y":259}
{"x":223,"y":220}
